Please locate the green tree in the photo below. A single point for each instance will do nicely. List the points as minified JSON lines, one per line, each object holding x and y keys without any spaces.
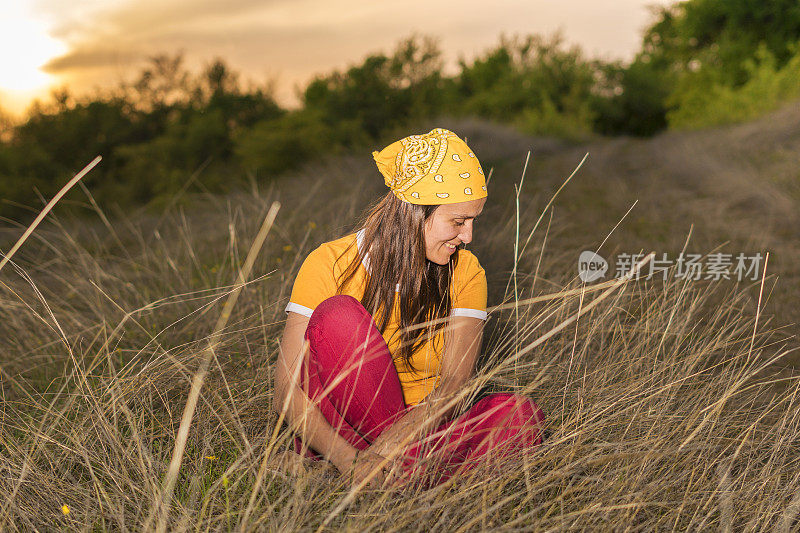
{"x":380,"y":93}
{"x":722,"y":35}
{"x":219,"y":88}
{"x":152,"y":134}
{"x":163,"y":83}
{"x":535,"y":82}
{"x":631,"y":99}
{"x":693,"y":52}
{"x":274,"y":146}
{"x":702,"y":100}
{"x":54,"y":143}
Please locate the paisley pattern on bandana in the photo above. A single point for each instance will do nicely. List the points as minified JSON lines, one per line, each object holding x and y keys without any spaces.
{"x":433,"y":168}
{"x":421,"y":155}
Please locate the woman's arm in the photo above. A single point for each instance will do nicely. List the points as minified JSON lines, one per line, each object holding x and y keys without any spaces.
{"x":462,"y":345}
{"x":316,"y":431}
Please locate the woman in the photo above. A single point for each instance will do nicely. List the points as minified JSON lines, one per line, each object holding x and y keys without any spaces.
{"x":369,"y":383}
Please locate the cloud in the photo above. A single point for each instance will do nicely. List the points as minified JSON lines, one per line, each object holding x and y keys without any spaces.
{"x":90,"y":58}
{"x":126,"y":33}
{"x":83,"y":19}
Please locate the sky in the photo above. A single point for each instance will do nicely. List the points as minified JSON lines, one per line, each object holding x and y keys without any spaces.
{"x":87,"y":44}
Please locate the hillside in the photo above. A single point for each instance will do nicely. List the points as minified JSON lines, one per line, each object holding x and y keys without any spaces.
{"x":734,"y":190}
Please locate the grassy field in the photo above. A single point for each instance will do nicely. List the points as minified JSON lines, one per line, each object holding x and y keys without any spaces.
{"x":671,"y":405}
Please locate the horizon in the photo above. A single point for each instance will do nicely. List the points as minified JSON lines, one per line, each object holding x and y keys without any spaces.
{"x":282,"y":42}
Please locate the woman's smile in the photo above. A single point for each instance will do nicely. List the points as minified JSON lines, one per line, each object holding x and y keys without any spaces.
{"x":450,"y":221}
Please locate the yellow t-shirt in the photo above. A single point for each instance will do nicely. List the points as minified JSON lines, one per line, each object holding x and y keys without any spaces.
{"x":316,"y":281}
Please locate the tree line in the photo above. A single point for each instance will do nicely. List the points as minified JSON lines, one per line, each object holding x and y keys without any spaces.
{"x":702,"y":63}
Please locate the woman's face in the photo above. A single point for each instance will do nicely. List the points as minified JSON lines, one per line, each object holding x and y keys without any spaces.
{"x":449,"y":226}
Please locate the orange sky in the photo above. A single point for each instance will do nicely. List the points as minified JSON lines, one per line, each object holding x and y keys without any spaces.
{"x":96,"y":43}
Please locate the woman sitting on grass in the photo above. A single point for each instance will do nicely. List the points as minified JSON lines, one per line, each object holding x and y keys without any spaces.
{"x":372,"y":393}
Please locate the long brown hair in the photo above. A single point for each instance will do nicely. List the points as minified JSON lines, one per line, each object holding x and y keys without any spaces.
{"x":394,"y":236}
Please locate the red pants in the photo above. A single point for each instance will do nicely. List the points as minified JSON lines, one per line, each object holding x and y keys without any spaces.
{"x":349,"y":359}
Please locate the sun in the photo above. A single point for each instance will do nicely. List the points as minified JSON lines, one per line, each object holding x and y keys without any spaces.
{"x":25,"y":46}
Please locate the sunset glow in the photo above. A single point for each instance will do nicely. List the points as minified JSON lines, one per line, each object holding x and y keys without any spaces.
{"x":87,"y":44}
{"x":26,"y":47}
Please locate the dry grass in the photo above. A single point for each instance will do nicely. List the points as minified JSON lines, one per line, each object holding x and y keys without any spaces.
{"x":665,"y":408}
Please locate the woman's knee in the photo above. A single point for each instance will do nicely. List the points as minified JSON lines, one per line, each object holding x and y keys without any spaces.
{"x":518,"y":406}
{"x":336,"y":318}
{"x":337,"y":327}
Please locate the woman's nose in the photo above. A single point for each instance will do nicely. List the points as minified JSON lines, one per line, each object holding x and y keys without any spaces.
{"x":466,"y":232}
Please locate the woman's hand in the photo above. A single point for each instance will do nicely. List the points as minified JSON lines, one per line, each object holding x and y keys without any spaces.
{"x":368,"y":463}
{"x":385,"y":444}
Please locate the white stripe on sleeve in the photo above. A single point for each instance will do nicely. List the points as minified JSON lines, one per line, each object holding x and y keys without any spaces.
{"x":297,"y":308}
{"x":463,"y":311}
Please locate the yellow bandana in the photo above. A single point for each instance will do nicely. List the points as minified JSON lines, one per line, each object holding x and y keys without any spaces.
{"x":432,"y":169}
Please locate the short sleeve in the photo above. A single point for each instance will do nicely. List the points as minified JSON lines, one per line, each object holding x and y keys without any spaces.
{"x":470,"y":288}
{"x":313,"y":284}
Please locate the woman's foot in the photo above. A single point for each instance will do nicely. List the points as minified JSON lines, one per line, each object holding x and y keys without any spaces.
{"x":294,"y":465}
